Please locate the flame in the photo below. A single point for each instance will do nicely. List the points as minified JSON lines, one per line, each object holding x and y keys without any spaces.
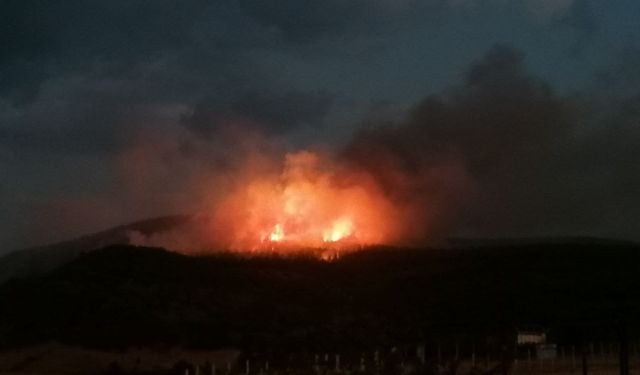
{"x":339,"y":230}
{"x":311,"y":203}
{"x":277,"y":234}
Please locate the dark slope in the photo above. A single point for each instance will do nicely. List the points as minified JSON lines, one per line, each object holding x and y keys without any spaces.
{"x":121,"y":296}
{"x":42,"y":259}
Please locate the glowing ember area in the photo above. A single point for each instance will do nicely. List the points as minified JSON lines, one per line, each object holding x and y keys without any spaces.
{"x":310,"y":204}
{"x":340,"y":229}
{"x":277,"y":234}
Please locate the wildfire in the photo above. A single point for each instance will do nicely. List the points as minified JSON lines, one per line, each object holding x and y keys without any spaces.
{"x":340,"y":229}
{"x":277,"y":234}
{"x":310,"y":204}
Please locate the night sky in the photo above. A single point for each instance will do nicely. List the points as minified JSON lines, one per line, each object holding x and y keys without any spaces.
{"x":115,"y":111}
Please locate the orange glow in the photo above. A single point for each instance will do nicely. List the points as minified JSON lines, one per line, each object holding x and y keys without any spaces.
{"x":277,"y":234}
{"x":340,"y":229}
{"x":312,"y":203}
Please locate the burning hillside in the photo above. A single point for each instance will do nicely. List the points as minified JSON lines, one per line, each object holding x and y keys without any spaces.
{"x":367,"y":193}
{"x":322,"y":202}
{"x":312,"y":203}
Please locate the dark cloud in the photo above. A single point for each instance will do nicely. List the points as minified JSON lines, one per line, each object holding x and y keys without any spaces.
{"x":619,"y":80}
{"x":43,"y":41}
{"x":79,"y":76}
{"x":582,"y":18}
{"x":533,"y":166}
{"x":304,"y":20}
{"x":273,"y":113}
{"x":25,"y":41}
{"x":611,"y":151}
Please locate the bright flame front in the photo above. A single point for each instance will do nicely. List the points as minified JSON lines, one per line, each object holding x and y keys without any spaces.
{"x":311,"y":204}
{"x":277,"y":235}
{"x":340,"y":229}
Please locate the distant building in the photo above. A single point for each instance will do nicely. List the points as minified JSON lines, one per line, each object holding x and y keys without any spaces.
{"x":531,"y":337}
{"x":533,"y":342}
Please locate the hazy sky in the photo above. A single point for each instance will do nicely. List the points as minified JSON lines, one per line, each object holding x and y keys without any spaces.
{"x":92,"y":92}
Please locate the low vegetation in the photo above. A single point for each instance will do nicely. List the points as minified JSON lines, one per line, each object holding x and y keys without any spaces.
{"x":123,"y":296}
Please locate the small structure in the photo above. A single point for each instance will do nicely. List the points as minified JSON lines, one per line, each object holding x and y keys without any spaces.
{"x":533,"y":342}
{"x":531,"y":337}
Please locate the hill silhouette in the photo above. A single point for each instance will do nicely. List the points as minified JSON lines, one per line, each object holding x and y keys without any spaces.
{"x":122,"y":295}
{"x":42,"y":259}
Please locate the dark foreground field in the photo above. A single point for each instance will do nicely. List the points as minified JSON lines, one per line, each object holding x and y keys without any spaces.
{"x":124,"y":296}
